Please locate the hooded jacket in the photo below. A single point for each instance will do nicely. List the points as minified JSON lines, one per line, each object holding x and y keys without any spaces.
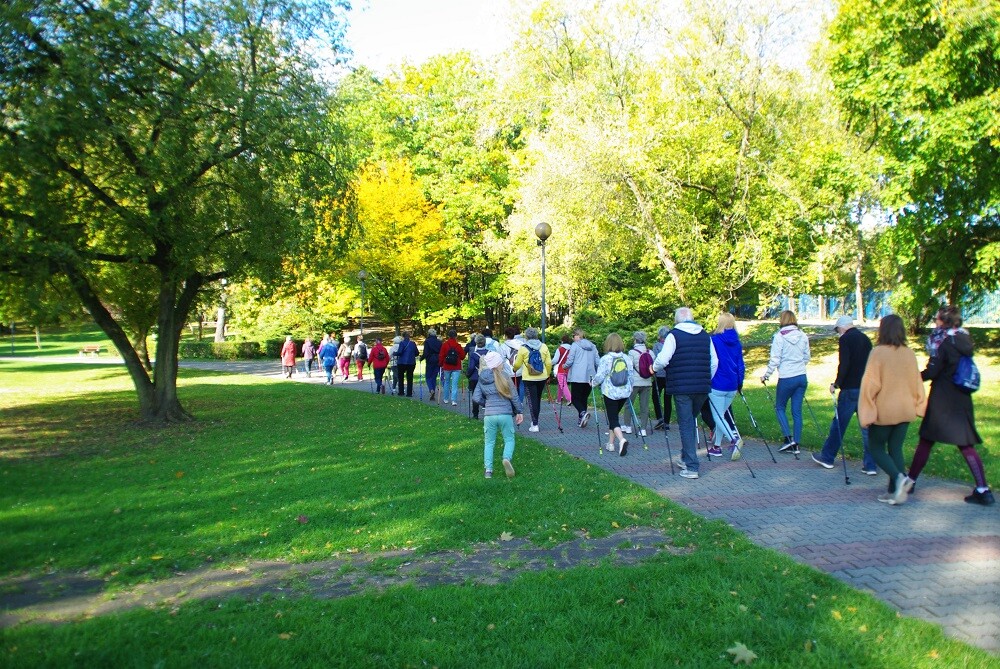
{"x":729,"y":375}
{"x":581,"y":361}
{"x":789,"y":353}
{"x":634,"y":355}
{"x":603,"y":377}
{"x":521,"y":361}
{"x":487,"y":396}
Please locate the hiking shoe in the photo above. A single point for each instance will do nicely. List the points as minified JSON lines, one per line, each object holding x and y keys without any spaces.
{"x":715,"y":451}
{"x":509,"y":468}
{"x":642,"y":433}
{"x":985,"y":498}
{"x":736,"y":450}
{"x":887,"y":498}
{"x":622,"y":447}
{"x":610,"y":447}
{"x":533,"y":428}
{"x":819,"y":462}
{"x":866,"y":472}
{"x":659,"y":425}
{"x":908,"y":485}
{"x":689,"y":474}
{"x":454,"y":404}
{"x":489,"y":473}
{"x":627,"y":429}
{"x":787,"y":446}
{"x":899,"y":497}
{"x":584,"y":419}
{"x":679,"y":462}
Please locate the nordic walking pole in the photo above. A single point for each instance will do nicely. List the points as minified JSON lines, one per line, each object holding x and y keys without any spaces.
{"x":670,"y":456}
{"x":420,"y":384}
{"x":597,"y":420}
{"x":843,"y":453}
{"x":440,"y":389}
{"x":548,"y":393}
{"x":739,"y":439}
{"x":760,"y":432}
{"x":639,"y":428}
{"x":813,"y":416}
{"x":774,"y":403}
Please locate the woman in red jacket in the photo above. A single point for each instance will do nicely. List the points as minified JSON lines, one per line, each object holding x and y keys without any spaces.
{"x":450,"y":358}
{"x":378,"y":360}
{"x":288,"y":357}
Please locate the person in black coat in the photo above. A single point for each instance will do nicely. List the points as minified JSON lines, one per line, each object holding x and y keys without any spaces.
{"x":432,"y":350}
{"x":949,"y":417}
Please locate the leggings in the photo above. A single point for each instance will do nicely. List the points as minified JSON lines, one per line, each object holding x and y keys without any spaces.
{"x":613,"y":408}
{"x":892,"y":437}
{"x":534,"y":392}
{"x":923,"y":452}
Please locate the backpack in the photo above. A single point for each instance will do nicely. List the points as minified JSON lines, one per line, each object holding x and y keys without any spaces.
{"x":619,"y":372}
{"x":535,"y":364}
{"x":381,"y":355}
{"x":361,"y":353}
{"x":474,"y":356}
{"x":451,"y":357}
{"x":966,"y":376}
{"x":645,"y":364}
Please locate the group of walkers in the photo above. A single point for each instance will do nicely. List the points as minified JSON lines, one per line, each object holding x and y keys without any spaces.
{"x":699,"y":374}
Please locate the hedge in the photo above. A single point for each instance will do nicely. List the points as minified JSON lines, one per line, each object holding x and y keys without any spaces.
{"x":224,"y":350}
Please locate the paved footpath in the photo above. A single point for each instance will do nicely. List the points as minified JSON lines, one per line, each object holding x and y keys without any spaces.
{"x":935,"y":558}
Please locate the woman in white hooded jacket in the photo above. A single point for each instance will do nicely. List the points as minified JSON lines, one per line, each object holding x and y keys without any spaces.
{"x":789,"y":356}
{"x":615,"y":386}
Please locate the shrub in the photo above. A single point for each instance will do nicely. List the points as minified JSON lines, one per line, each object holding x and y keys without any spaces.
{"x":226,"y":350}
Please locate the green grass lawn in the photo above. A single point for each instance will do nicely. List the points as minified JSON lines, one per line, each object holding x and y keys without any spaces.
{"x":82,"y":487}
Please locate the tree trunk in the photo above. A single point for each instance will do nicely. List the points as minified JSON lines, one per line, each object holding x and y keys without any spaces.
{"x":220,"y":324}
{"x":38,"y":338}
{"x":143,"y":350}
{"x":201,"y":325}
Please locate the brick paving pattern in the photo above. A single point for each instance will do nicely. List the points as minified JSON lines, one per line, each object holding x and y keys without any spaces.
{"x":936,"y":557}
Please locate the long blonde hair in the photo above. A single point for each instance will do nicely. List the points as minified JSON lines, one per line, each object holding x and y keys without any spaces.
{"x":503,"y":383}
{"x":726,"y":322}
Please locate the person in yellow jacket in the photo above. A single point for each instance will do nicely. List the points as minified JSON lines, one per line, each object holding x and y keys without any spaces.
{"x":534,"y":379}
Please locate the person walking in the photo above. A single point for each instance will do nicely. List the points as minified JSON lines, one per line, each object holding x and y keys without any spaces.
{"x":614,"y":376}
{"x":475,"y":357}
{"x":853,"y":348}
{"x":360,"y":356}
{"x":430,"y":356}
{"x":512,"y":345}
{"x":502,"y":411}
{"x":308,"y":355}
{"x":561,"y":373}
{"x":344,"y":357}
{"x":378,"y":360}
{"x":582,"y":365}
{"x":689,"y":357}
{"x":726,"y":382}
{"x":890,"y":397}
{"x":450,"y":359}
{"x":789,"y":356}
{"x":393,"y":363}
{"x":406,"y":362}
{"x":949,"y":417}
{"x":661,"y":401}
{"x":288,"y":357}
{"x":642,"y":383}
{"x":328,"y":354}
{"x":534,"y":363}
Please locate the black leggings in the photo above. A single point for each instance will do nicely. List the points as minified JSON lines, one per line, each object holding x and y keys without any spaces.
{"x":579,"y":396}
{"x":613,"y":408}
{"x":534,"y":391}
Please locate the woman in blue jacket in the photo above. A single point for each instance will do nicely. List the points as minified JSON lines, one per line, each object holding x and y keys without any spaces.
{"x":728,"y":381}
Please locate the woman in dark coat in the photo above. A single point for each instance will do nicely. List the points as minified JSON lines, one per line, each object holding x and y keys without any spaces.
{"x":949,"y":417}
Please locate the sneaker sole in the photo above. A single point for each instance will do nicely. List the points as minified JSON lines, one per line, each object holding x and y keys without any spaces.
{"x":623,"y":449}
{"x":509,"y":468}
{"x":584,"y":421}
{"x":821,"y":463}
{"x":688,"y":474}
{"x":736,"y":455}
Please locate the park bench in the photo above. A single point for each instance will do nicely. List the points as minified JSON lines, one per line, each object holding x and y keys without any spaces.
{"x":90,"y":349}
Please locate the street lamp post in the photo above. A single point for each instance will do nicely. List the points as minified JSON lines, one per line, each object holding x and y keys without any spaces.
{"x":362,"y":275}
{"x":543,"y":231}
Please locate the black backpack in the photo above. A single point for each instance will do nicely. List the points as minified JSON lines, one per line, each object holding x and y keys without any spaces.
{"x":451,"y":357}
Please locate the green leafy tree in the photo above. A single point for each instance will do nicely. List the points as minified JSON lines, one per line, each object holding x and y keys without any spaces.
{"x":918,"y":81}
{"x":184,"y":137}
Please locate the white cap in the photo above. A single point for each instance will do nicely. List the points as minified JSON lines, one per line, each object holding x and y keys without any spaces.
{"x":844,"y":322}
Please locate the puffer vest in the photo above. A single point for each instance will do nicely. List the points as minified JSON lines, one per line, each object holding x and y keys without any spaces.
{"x":690,"y":368}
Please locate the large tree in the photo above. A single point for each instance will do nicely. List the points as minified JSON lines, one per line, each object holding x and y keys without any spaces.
{"x":920,"y":83}
{"x":178,"y":138}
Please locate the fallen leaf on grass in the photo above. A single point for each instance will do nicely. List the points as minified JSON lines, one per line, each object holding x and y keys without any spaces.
{"x":285,"y":635}
{"x":620,"y":601}
{"x":742,"y":654}
{"x":303,"y":520}
{"x":836,"y":615}
{"x":506,"y":536}
{"x":863,"y":628}
{"x":933,"y":654}
{"x":179,"y":474}
{"x":614,"y":524}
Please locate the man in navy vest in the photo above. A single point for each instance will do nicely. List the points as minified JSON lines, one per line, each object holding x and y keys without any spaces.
{"x":689,"y":357}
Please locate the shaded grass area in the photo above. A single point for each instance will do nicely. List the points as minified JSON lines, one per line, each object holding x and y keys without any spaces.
{"x":82,"y":487}
{"x":670,"y":612}
{"x":945,"y":461}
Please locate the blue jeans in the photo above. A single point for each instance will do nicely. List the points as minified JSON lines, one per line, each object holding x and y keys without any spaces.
{"x":847,"y":406}
{"x":792,"y":388}
{"x":688,"y":406}
{"x":450,"y":385}
{"x":431,"y":376}
{"x":505,"y":424}
{"x":328,"y":368}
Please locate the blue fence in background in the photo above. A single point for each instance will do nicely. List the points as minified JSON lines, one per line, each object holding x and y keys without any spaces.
{"x":984,"y":309}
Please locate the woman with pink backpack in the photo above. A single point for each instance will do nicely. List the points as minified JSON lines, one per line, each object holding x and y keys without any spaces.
{"x":642,"y":383}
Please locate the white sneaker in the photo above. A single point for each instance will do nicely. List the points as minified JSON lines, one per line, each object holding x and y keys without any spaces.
{"x":688,"y":474}
{"x":454,"y":404}
{"x":642,"y":433}
{"x":508,"y":468}
{"x":533,"y":428}
{"x":627,"y":429}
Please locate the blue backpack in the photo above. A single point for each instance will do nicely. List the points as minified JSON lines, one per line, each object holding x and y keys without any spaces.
{"x":966,"y":376}
{"x":535,"y":363}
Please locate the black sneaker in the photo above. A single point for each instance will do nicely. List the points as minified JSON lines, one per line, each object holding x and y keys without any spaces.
{"x":790,"y":447}
{"x":985,"y":498}
{"x":659,"y":425}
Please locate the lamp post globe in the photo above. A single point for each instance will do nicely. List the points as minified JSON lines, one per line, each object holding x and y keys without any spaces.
{"x":543,"y":231}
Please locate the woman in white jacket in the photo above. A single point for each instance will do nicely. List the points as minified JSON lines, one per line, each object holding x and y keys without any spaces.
{"x":789,"y":356}
{"x":614,"y":375}
{"x":641,"y":386}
